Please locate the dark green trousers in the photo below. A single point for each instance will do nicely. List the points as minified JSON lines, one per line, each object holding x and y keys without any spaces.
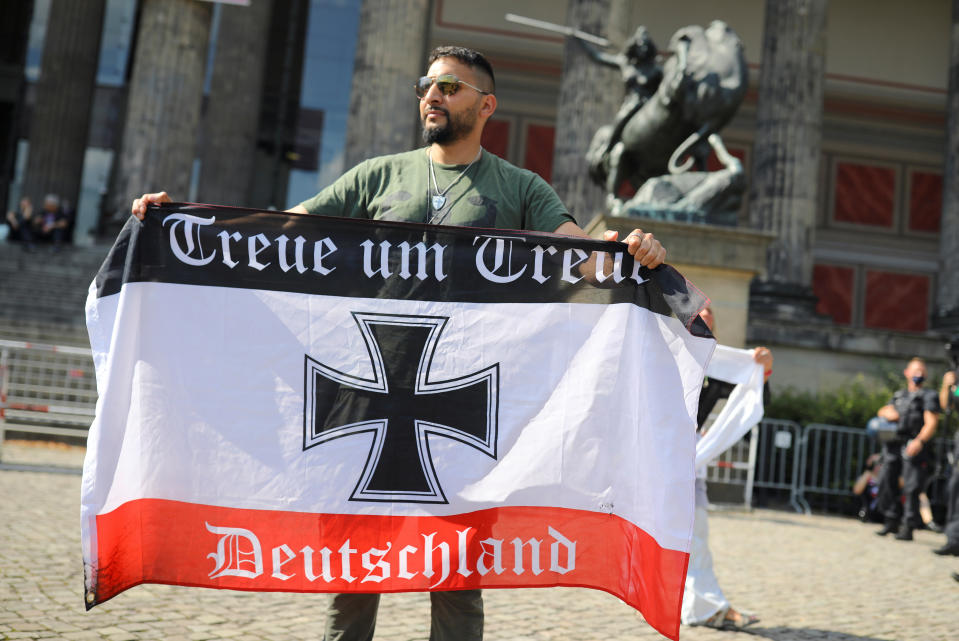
{"x":455,"y":616}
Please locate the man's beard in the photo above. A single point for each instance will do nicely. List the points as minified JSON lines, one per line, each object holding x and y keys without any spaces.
{"x":456,"y":128}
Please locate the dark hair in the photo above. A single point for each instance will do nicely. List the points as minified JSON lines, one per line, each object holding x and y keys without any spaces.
{"x":469,"y":57}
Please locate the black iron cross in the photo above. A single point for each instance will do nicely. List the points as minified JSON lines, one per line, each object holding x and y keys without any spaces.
{"x":401,"y":406}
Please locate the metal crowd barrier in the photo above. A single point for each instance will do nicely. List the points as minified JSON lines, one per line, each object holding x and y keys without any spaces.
{"x":735,"y":467}
{"x":777,"y":458}
{"x":837,"y":454}
{"x":46,"y":389}
{"x":817,"y":459}
{"x":767,"y":458}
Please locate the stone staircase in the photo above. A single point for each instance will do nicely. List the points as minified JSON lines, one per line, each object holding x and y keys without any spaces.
{"x":42,"y":293}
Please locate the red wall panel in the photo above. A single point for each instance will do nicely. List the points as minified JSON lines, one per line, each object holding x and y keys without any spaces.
{"x":897,"y":301}
{"x":833,"y":285}
{"x":539,"y":150}
{"x":496,"y":137}
{"x":925,"y":201}
{"x":865,"y":195}
{"x":713,"y":164}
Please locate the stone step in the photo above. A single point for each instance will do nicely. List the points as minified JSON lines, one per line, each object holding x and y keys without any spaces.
{"x":44,"y":291}
{"x":19,"y":329}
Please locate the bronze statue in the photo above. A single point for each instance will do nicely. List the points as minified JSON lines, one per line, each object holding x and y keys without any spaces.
{"x":693,"y":196}
{"x":672,"y":110}
{"x":641,"y":73}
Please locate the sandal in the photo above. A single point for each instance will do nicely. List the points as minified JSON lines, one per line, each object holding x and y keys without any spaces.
{"x":716,"y":621}
{"x":739,"y":621}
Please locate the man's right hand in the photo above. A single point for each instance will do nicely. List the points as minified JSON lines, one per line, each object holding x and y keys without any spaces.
{"x":949,"y":379}
{"x":139,"y":208}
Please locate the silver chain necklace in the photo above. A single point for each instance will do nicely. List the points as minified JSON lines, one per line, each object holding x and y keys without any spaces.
{"x":438,"y":198}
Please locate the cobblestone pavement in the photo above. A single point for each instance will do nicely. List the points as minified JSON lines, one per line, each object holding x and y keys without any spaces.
{"x":809,"y":577}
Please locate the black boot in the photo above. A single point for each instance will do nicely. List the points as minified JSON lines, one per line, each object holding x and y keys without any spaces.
{"x":887,"y":528}
{"x":904,"y":533}
{"x":950,"y":548}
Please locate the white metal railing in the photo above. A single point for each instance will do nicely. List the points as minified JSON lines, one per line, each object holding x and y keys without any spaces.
{"x":45,"y":389}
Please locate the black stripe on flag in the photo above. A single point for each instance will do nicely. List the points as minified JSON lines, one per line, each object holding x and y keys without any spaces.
{"x":253,"y":249}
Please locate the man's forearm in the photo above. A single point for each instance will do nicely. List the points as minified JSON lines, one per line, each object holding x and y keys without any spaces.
{"x":928,"y":428}
{"x":888,"y":412}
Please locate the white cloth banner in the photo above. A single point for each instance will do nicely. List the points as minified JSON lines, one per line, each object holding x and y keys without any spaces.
{"x":743,"y":408}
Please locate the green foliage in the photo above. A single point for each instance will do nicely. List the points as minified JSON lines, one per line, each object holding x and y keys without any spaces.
{"x":851,"y":404}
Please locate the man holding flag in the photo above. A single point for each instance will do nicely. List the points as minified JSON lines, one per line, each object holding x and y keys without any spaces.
{"x":452,"y":181}
{"x":466,"y":184}
{"x":740,"y":377}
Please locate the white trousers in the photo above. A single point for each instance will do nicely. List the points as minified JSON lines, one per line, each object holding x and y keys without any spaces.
{"x":702,"y":597}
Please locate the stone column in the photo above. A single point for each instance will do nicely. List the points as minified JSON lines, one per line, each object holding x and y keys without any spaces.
{"x":164,"y":100}
{"x":785,"y":179}
{"x":14,"y":34}
{"x":64,"y":100}
{"x":589,"y":95}
{"x":947,"y":300}
{"x":231,"y":122}
{"x":389,"y":57}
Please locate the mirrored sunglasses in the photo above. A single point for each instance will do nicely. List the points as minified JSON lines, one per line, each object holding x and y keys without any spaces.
{"x":447,"y":83}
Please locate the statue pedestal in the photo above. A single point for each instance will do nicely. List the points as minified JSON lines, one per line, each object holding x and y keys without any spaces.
{"x":719,"y":260}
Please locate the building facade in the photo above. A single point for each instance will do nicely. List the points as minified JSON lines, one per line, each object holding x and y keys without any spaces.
{"x":848,"y":132}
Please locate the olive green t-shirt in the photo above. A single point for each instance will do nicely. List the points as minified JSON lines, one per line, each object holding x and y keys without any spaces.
{"x":492,"y":194}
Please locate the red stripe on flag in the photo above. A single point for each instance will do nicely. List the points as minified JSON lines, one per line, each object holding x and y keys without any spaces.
{"x":173,"y":542}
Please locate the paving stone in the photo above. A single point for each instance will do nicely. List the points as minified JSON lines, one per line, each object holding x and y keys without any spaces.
{"x":808,"y":578}
{"x":82,"y":635}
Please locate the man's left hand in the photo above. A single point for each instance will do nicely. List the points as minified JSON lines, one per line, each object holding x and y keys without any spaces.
{"x":643,"y":247}
{"x":764,"y":357}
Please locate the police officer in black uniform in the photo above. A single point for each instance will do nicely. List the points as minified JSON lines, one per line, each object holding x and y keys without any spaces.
{"x":916,"y":411}
{"x":947,"y":399}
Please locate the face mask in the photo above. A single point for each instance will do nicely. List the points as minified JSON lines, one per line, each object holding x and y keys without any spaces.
{"x":918,"y":379}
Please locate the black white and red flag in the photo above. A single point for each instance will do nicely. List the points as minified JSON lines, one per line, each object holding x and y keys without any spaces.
{"x":308,"y":404}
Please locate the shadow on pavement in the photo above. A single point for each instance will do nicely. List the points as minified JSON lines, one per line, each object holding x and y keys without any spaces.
{"x":781,"y":633}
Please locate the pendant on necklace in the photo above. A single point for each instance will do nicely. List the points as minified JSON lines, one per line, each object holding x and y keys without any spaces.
{"x":438,"y":202}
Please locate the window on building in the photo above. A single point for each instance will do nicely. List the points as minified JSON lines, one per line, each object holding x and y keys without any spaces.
{"x":38,"y":35}
{"x":115,"y":42}
{"x":525,"y":141}
{"x":325,"y":94}
{"x":879,"y":203}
